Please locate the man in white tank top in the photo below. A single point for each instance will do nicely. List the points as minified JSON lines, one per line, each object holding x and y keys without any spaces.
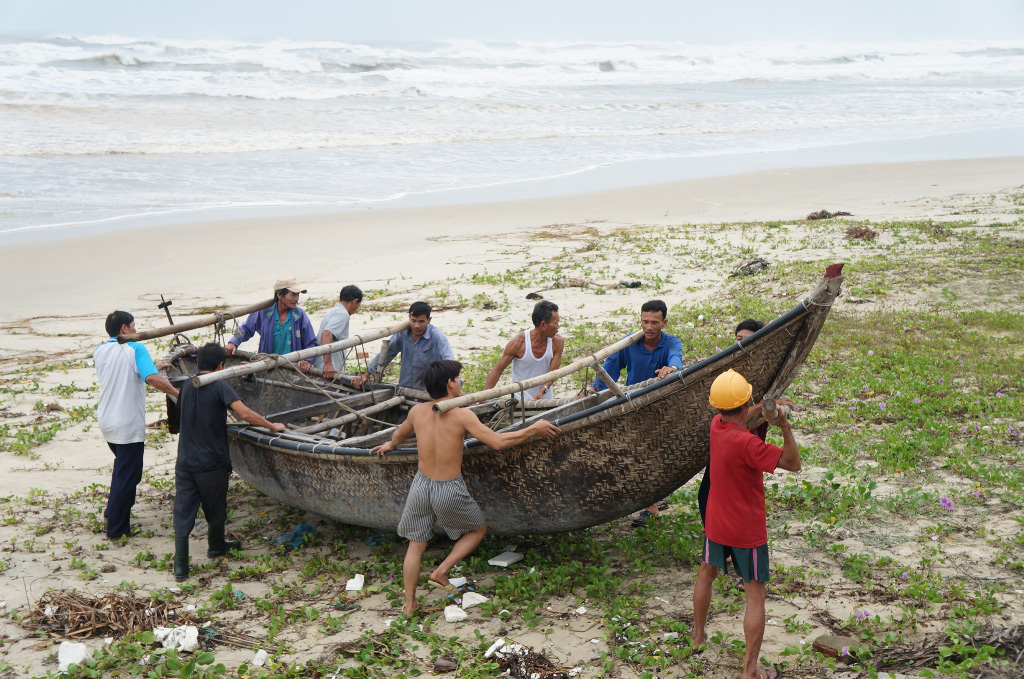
{"x":532,"y":353}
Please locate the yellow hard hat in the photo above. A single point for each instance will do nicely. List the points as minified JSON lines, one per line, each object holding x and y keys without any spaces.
{"x":730,"y":390}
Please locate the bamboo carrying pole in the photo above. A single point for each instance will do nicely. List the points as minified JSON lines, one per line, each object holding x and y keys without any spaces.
{"x":351,"y":417}
{"x":201,"y":322}
{"x":607,"y":379}
{"x":296,"y":356}
{"x":575,"y":366}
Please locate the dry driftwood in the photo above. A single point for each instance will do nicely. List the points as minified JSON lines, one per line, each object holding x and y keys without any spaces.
{"x":80,"y":616}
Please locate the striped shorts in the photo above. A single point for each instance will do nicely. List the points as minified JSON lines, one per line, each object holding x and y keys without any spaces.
{"x":445,"y":503}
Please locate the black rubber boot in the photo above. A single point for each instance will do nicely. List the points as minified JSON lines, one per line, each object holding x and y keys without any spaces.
{"x":181,"y":559}
{"x":218,"y":545}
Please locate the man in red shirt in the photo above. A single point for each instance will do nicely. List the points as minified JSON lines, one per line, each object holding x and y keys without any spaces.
{"x":736,"y":522}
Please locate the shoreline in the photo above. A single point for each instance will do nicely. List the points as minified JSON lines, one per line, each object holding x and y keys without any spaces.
{"x":993,"y":143}
{"x":227,"y":261}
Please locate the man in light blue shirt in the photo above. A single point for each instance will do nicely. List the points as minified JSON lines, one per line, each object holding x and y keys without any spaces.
{"x":420,"y":345}
{"x":334,"y":328}
{"x":656,"y":355}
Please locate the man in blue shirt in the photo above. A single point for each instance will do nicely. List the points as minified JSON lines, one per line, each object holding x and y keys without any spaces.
{"x":656,"y":355}
{"x":420,"y":345}
{"x":283,"y":327}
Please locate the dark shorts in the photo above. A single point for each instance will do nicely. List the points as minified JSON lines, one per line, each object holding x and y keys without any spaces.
{"x":447,"y":504}
{"x":751,"y":564}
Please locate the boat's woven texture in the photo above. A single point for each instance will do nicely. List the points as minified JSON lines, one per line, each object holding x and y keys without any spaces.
{"x":603,"y":466}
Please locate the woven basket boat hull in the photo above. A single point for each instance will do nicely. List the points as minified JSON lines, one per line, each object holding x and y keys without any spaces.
{"x":614,"y":456}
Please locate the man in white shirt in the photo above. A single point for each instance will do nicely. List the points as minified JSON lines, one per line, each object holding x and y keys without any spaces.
{"x":532,"y":353}
{"x":334,"y":328}
{"x":123,"y":371}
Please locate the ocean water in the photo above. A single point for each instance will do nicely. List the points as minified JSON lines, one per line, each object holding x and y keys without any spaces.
{"x":98,"y":131}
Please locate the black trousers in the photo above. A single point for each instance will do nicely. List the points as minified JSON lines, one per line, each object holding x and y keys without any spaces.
{"x":702,"y":495}
{"x":123,"y":482}
{"x":192,"y":489}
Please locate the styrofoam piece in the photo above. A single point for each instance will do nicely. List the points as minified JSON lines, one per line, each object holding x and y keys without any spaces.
{"x":70,"y":653}
{"x":457,"y":582}
{"x":454,"y":614}
{"x":185,"y":638}
{"x":260,"y":659}
{"x":470,"y":599}
{"x":581,"y":610}
{"x":355,"y":584}
{"x":506,"y":559}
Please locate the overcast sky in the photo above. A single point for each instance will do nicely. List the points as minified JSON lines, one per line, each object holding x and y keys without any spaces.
{"x":540,"y":20}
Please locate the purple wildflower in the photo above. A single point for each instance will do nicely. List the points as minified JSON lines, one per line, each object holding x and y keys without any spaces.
{"x":718,"y":349}
{"x":870,"y":352}
{"x":963,"y":429}
{"x":917,"y":400}
{"x":882,"y":405}
{"x":999,"y":394}
{"x":940,"y":380}
{"x":861,"y":614}
{"x":845,"y":652}
{"x":977,"y":494}
{"x":904,"y":575}
{"x":946,"y":502}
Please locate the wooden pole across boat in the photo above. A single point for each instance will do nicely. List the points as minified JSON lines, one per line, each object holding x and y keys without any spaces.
{"x":274,"y":361}
{"x":575,"y":366}
{"x":352,"y":417}
{"x":201,"y":322}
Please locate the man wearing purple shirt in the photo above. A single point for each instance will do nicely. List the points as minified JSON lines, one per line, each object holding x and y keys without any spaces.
{"x":283,"y":327}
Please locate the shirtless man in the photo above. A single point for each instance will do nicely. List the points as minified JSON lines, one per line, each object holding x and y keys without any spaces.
{"x":545,"y":347}
{"x":438,"y":494}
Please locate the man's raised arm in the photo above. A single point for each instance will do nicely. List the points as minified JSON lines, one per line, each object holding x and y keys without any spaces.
{"x":510,"y":354}
{"x":492,"y":439}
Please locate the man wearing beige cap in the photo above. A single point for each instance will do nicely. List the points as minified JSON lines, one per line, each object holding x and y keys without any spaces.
{"x":283,"y":327}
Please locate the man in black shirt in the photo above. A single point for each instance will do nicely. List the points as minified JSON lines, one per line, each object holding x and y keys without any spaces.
{"x":203,"y":466}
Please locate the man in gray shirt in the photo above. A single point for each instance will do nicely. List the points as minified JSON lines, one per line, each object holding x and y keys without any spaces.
{"x":334,"y":328}
{"x":420,"y":345}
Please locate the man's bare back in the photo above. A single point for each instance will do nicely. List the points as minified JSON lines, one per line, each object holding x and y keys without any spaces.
{"x":439,"y":438}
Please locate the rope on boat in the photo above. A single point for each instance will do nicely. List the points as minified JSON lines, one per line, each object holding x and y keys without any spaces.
{"x":341,"y":406}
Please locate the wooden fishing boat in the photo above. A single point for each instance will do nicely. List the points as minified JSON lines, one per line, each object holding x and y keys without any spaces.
{"x":617,"y":452}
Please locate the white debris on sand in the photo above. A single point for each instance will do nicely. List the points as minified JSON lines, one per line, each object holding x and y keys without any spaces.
{"x":454,"y":614}
{"x":470,"y":599}
{"x":494,"y":648}
{"x":355,"y":584}
{"x":184,"y":639}
{"x":505,"y":559}
{"x":70,"y":653}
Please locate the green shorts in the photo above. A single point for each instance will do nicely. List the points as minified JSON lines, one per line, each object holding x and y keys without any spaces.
{"x":751,"y":564}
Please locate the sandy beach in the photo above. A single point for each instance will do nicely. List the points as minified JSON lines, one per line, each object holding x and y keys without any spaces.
{"x":695,"y":232}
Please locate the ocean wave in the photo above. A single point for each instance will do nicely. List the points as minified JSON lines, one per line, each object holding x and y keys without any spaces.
{"x":301,"y":140}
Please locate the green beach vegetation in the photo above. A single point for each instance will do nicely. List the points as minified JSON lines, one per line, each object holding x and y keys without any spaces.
{"x":904,"y":528}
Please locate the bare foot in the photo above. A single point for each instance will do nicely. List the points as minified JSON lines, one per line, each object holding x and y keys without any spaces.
{"x":410,"y":609}
{"x":699,"y":639}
